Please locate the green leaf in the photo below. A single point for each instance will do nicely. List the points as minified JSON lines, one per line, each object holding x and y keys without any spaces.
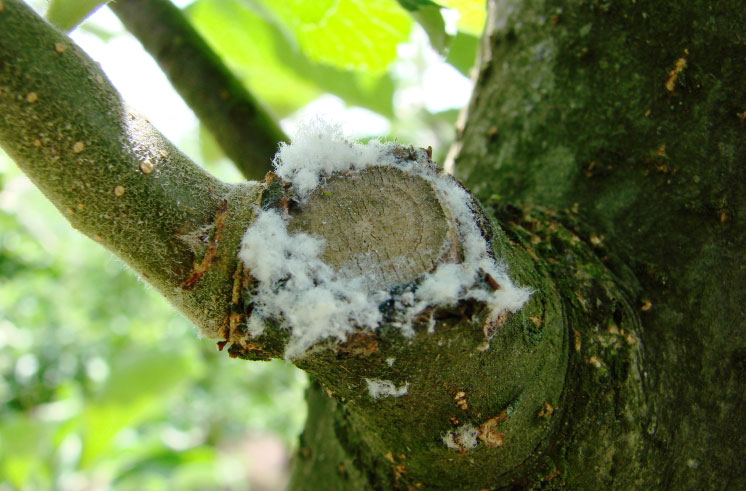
{"x":246,"y":42}
{"x":166,"y":463}
{"x":66,"y":14}
{"x":16,"y":469}
{"x":374,"y":92}
{"x":144,"y":374}
{"x":348,"y":34}
{"x":431,"y":20}
{"x":24,"y":444}
{"x":139,"y":385}
{"x":472,"y":14}
{"x":462,"y":53}
{"x":273,"y":66}
{"x":99,"y":31}
{"x":413,"y":5}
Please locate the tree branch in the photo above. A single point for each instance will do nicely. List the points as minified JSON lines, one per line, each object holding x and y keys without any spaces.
{"x":110,"y":173}
{"x":242,"y":128}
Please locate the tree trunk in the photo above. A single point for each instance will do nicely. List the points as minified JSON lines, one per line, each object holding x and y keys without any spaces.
{"x":605,"y":141}
{"x":631,"y":116}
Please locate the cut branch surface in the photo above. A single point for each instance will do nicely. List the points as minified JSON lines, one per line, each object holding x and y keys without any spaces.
{"x":381,"y":224}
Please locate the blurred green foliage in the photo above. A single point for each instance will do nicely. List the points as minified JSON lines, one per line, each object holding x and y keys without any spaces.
{"x":103,"y":384}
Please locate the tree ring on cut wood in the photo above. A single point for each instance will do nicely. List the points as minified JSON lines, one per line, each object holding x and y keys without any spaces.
{"x":380,"y":224}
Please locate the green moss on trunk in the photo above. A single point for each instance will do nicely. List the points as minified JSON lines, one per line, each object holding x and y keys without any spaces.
{"x":632,"y":113}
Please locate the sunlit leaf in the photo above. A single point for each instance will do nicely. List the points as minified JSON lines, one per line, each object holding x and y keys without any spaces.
{"x":356,"y":34}
{"x":413,"y":5}
{"x":248,"y":44}
{"x":66,"y":14}
{"x":274,"y":68}
{"x":374,"y":92}
{"x":16,"y":469}
{"x":472,"y":14}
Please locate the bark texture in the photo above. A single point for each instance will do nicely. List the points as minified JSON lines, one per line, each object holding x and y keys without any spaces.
{"x":631,"y":115}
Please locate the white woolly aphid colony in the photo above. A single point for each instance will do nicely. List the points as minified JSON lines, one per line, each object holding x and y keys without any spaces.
{"x":465,"y":437}
{"x":378,"y":388}
{"x":314,"y":302}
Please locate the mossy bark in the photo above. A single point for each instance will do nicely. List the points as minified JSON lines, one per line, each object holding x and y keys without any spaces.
{"x":632,"y":114}
{"x":560,"y":385}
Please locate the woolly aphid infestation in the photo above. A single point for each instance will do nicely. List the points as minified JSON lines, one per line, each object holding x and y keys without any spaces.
{"x":313,"y":300}
{"x":378,"y":388}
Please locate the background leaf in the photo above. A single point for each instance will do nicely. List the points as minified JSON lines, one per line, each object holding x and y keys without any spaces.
{"x":66,"y":14}
{"x":272,"y":64}
{"x":98,"y":373}
{"x":462,"y":52}
{"x":472,"y":14}
{"x":428,"y":16}
{"x":414,"y":5}
{"x":348,"y":34}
